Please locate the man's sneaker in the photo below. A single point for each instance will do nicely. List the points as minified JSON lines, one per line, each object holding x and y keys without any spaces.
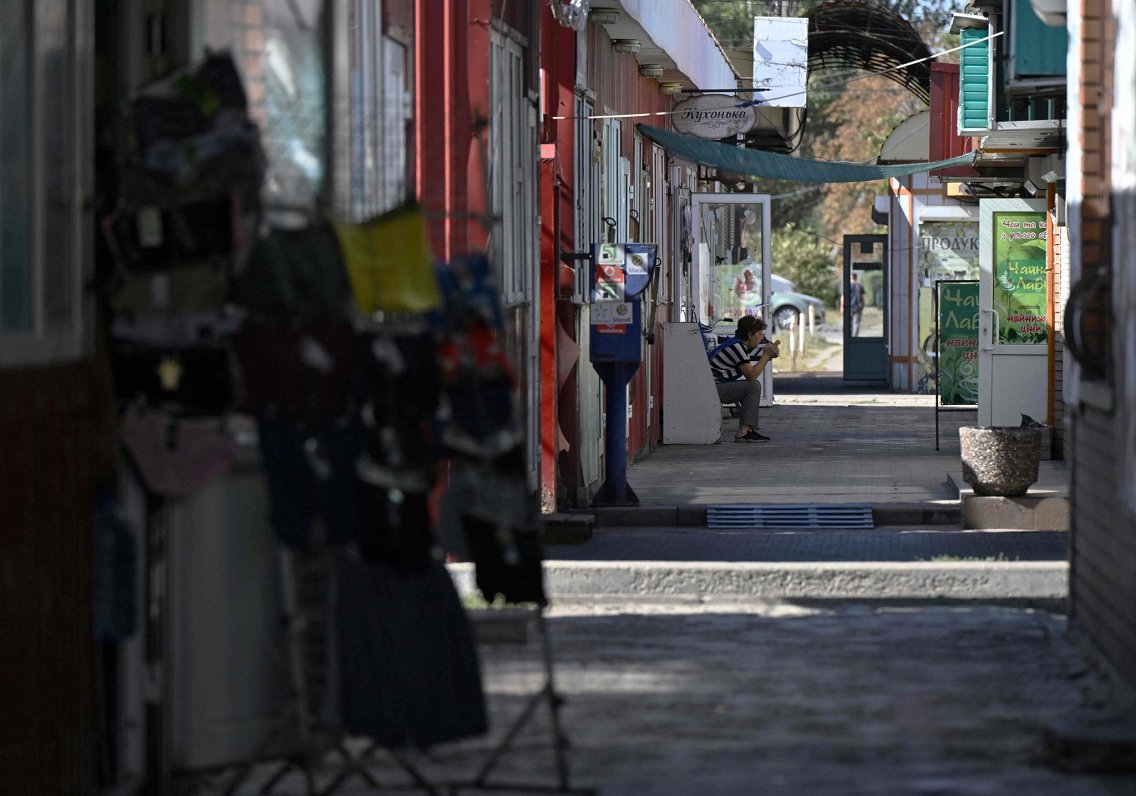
{"x":752,"y":436}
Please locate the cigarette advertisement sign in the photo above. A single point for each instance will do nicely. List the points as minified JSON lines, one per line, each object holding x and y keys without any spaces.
{"x":958,"y":343}
{"x":1020,"y":278}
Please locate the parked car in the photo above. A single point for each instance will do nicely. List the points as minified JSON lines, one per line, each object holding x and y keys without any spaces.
{"x":787,"y":303}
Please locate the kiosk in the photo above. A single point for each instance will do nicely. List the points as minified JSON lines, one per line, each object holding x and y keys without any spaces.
{"x":619,"y":273}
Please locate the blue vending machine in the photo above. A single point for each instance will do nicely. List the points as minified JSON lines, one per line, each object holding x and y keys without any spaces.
{"x":620,"y":273}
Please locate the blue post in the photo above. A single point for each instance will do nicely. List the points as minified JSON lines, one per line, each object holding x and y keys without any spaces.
{"x":615,"y":490}
{"x":619,"y":273}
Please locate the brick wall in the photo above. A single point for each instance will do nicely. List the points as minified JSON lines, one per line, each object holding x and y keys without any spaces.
{"x":1103,"y":552}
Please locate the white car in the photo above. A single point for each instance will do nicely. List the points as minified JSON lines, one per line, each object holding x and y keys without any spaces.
{"x":787,"y":304}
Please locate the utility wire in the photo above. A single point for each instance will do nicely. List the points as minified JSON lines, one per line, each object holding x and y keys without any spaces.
{"x":752,"y":103}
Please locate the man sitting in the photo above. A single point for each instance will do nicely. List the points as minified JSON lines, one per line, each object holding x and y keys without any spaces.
{"x":736,"y":365}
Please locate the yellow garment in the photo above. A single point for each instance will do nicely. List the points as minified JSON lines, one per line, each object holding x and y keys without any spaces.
{"x":388,"y":262}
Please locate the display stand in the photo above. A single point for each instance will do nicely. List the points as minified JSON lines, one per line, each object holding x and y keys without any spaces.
{"x":318,"y":748}
{"x":547,"y":694}
{"x":312,"y":739}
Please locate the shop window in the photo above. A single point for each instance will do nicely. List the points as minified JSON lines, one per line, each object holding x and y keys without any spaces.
{"x":278,"y":49}
{"x":588,"y":174}
{"x":45,"y":122}
{"x":282,"y":59}
{"x":615,"y":200}
{"x":378,"y":110}
{"x":512,"y":169}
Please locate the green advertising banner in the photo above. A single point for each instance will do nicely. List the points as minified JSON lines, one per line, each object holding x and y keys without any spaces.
{"x":958,"y":343}
{"x":1019,"y":278}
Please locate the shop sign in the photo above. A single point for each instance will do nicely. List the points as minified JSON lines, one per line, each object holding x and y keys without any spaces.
{"x":958,"y":343}
{"x":612,"y":317}
{"x":713,"y":116}
{"x":1020,"y":278}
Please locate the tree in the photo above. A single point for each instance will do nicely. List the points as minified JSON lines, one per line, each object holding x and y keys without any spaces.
{"x":807,"y":261}
{"x":845,"y":120}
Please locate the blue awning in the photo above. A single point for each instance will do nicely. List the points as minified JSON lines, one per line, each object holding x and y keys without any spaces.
{"x":757,"y":163}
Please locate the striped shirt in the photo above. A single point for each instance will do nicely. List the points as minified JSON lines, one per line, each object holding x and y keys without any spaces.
{"x":728,"y":356}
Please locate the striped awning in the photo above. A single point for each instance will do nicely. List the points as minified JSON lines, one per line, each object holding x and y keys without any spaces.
{"x":771,"y":165}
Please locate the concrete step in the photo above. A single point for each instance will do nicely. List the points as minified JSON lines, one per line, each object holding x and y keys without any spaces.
{"x":574,"y":528}
{"x":1042,"y":508}
{"x":1040,"y":583}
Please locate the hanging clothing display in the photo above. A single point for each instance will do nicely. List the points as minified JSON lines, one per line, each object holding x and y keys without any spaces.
{"x":403,"y":667}
{"x":310,"y":471}
{"x":482,"y":434}
{"x":303,"y":372}
{"x":477,"y":377}
{"x":185,"y":209}
{"x":295,"y":276}
{"x":388,"y":261}
{"x":189,"y":191}
{"x":397,"y":468}
{"x":486,"y":518}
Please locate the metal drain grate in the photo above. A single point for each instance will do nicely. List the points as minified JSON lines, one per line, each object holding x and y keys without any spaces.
{"x":777,"y":515}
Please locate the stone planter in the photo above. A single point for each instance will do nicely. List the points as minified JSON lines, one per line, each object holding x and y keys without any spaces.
{"x":1000,"y":460}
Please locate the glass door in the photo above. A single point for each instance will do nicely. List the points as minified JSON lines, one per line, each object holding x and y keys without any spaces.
{"x":731,"y":263}
{"x":865,"y":308}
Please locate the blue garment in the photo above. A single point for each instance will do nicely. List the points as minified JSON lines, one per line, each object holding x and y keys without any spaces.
{"x":404,"y":668}
{"x":311,"y":472}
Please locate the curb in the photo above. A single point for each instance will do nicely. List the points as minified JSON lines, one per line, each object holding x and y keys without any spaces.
{"x":1040,"y":582}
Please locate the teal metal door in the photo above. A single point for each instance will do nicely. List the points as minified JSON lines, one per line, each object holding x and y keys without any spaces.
{"x":865,"y":308}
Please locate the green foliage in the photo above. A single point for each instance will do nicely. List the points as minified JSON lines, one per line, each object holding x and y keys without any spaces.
{"x":843,"y":122}
{"x":807,"y":261}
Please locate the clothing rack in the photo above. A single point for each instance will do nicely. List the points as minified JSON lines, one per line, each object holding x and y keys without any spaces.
{"x":317,"y":748}
{"x":313,"y":740}
{"x":548,"y":695}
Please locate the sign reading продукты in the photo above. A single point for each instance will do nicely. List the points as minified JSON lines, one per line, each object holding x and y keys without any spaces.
{"x":958,"y":343}
{"x":1020,"y":278}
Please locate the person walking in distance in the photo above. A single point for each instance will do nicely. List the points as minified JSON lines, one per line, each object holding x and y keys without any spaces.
{"x":855,"y":303}
{"x":737,"y":364}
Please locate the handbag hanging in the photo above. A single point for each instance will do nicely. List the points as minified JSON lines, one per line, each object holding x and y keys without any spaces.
{"x":176,"y":456}
{"x":201,"y":288}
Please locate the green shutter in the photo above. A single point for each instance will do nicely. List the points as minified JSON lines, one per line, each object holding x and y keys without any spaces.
{"x":1039,"y":49}
{"x":974,"y":82}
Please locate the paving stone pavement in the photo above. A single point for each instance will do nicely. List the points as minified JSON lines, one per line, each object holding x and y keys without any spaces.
{"x":750,"y":696}
{"x":831,"y":443}
{"x":787,"y":698}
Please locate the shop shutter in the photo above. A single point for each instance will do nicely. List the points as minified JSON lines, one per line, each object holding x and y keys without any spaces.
{"x":974,"y":83}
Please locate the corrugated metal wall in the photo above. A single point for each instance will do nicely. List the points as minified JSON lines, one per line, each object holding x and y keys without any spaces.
{"x":619,"y":88}
{"x":46,"y":459}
